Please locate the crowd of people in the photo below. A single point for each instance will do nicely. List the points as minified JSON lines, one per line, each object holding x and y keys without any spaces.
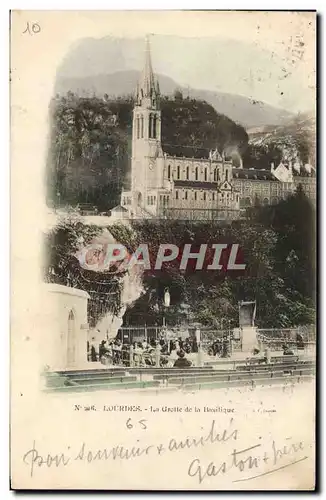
{"x":144,"y":353}
{"x":171,"y":352}
{"x":220,"y":347}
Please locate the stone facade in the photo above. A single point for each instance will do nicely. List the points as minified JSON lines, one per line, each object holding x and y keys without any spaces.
{"x":263,"y":186}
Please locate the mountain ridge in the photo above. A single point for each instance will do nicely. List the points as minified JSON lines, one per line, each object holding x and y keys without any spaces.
{"x":243,"y":110}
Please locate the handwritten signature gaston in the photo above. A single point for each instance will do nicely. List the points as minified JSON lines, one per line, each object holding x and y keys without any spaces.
{"x":244,"y":460}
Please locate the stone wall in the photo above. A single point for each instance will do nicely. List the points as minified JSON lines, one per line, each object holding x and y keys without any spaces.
{"x":65,"y":337}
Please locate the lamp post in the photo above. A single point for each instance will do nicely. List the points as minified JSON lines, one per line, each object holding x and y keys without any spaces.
{"x":200,"y":351}
{"x":230,"y":340}
{"x":167,"y":299}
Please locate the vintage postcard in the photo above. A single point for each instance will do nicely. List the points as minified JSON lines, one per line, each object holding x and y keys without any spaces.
{"x":163,"y":250}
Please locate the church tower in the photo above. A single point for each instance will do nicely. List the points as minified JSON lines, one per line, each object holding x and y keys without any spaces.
{"x":146,"y":134}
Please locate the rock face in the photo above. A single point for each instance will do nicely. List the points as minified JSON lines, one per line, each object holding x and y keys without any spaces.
{"x":131,"y":286}
{"x":294,"y":141}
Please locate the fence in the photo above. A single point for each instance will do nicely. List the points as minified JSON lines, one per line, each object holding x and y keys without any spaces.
{"x":308,"y":332}
{"x":301,"y":338}
{"x":139,"y":333}
{"x":205,"y":214}
{"x":274,"y":338}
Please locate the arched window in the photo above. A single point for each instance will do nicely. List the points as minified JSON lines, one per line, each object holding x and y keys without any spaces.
{"x":196,"y":173}
{"x":71,"y":343}
{"x":142,"y":126}
{"x":216,"y":175}
{"x":177,"y":195}
{"x":266,"y":201}
{"x":186,"y":195}
{"x":205,"y":174}
{"x":195,"y":195}
{"x":154,"y":126}
{"x":150,"y":126}
{"x":169,"y":171}
{"x":227,"y":175}
{"x":137,"y":127}
{"x":213,"y":196}
{"x":204,"y":196}
{"x":187,"y":173}
{"x":178,"y":172}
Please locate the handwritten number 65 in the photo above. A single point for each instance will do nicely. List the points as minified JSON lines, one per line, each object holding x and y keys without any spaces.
{"x":129,"y":425}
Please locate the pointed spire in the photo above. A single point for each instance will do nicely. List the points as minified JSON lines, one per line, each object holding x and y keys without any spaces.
{"x":147,"y":81}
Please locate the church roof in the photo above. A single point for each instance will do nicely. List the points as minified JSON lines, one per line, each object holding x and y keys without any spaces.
{"x":119,"y":208}
{"x":184,"y":152}
{"x":195,"y":184}
{"x":253,"y":174}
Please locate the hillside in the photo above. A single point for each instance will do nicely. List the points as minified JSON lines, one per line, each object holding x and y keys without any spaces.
{"x":240,"y":109}
{"x":295,"y":140}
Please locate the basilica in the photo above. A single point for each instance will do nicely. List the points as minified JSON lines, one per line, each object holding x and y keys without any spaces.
{"x":209,"y":188}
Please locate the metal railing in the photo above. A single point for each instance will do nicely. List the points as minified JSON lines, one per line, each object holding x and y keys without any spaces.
{"x":298,"y":339}
{"x":205,"y":214}
{"x":274,"y":338}
{"x":133,"y":334}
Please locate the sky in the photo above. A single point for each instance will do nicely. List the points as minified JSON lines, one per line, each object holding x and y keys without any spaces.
{"x":263,"y":56}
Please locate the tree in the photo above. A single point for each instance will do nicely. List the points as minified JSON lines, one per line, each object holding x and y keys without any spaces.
{"x":178,"y":95}
{"x":88,"y":157}
{"x":192,"y":128}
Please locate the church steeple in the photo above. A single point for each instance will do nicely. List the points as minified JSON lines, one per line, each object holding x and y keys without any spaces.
{"x":147,"y":92}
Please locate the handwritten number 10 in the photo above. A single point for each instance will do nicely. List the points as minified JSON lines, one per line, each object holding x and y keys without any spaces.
{"x":129,"y":425}
{"x":34,"y":29}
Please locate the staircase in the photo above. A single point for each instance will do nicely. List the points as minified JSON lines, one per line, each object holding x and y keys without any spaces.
{"x":141,"y":213}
